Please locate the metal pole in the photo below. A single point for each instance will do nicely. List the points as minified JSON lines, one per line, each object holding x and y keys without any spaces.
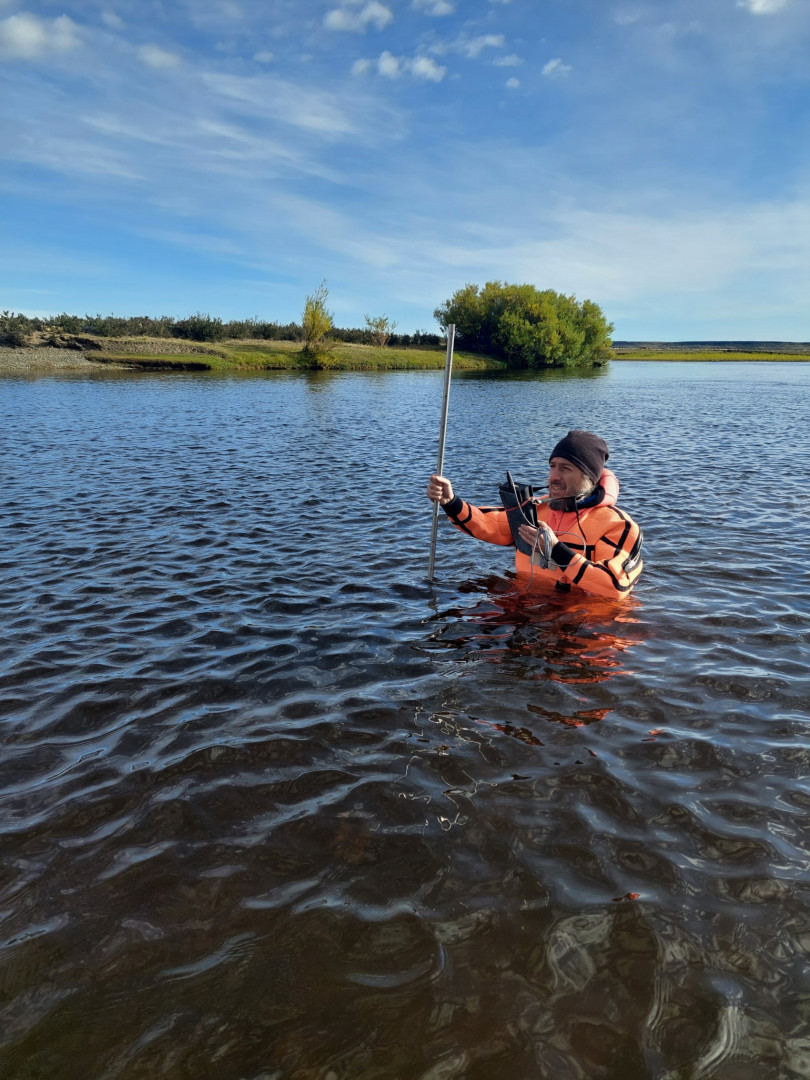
{"x":448,"y":368}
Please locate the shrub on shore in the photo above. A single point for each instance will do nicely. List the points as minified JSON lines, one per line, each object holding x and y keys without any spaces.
{"x":380,"y":327}
{"x":14,"y":329}
{"x":527,"y":327}
{"x":316,"y":321}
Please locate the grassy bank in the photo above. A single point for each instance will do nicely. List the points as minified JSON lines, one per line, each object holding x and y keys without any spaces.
{"x":712,"y":350}
{"x":229,"y":356}
{"x":704,"y":356}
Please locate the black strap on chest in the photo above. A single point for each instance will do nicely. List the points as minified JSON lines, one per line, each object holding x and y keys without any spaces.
{"x":520,"y":510}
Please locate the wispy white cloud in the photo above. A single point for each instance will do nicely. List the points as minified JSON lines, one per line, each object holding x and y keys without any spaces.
{"x":708,"y":254}
{"x":206,"y":142}
{"x":40,"y":260}
{"x":357,"y":19}
{"x":392,"y":67}
{"x":606,"y":254}
{"x":264,"y":57}
{"x":27,"y":37}
{"x":362,"y":67}
{"x":613,"y":257}
{"x":475,"y":46}
{"x":434,"y":7}
{"x":513,"y":83}
{"x":78,"y":155}
{"x":155,"y":57}
{"x":220,"y":133}
{"x":762,"y":7}
{"x":508,"y":61}
{"x":113,"y":20}
{"x":471,"y":47}
{"x":555,"y":69}
{"x":293,"y":104}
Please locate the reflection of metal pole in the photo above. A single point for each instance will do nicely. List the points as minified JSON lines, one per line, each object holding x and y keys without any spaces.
{"x":448,"y":368}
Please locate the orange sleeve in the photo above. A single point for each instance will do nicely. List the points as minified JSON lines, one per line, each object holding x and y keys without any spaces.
{"x":487,"y":523}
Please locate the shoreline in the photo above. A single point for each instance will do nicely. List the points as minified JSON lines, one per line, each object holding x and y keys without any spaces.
{"x":131,"y":356}
{"x":227,"y":357}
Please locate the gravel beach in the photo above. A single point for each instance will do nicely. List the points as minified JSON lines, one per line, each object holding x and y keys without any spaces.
{"x":34,"y":360}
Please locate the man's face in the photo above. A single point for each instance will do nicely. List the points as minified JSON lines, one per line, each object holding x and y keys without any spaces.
{"x":566,"y":481}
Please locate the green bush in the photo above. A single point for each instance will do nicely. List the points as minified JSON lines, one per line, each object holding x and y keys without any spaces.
{"x":199,"y":327}
{"x":528,"y":327}
{"x":105,"y":326}
{"x":259,"y":330}
{"x":316,"y":321}
{"x":67,"y":324}
{"x":14,"y":329}
{"x":379,"y":329}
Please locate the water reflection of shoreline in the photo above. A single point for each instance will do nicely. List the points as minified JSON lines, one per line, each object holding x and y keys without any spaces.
{"x":542,"y":639}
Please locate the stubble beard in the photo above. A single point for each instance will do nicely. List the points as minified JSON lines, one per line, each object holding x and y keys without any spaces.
{"x":566,"y":502}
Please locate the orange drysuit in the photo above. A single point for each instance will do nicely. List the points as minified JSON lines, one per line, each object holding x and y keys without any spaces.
{"x":598,"y":548}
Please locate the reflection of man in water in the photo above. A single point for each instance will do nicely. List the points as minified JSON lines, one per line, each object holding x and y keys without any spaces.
{"x":590,"y":544}
{"x":550,"y":650}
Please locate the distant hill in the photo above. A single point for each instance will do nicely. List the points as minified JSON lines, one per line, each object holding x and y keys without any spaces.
{"x":793,"y":347}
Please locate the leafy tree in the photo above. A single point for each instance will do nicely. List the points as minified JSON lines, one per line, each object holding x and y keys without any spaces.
{"x":316,"y":321}
{"x":528,"y":327}
{"x":380,"y":328}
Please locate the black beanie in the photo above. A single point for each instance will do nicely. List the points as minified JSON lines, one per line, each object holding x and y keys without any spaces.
{"x":585,"y":450}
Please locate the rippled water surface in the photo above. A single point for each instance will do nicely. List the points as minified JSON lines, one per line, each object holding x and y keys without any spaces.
{"x":273,"y":808}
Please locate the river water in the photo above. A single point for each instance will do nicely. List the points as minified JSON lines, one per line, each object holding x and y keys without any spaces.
{"x":273,"y":808}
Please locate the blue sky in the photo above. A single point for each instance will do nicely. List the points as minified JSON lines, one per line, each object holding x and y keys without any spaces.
{"x":225,"y":156}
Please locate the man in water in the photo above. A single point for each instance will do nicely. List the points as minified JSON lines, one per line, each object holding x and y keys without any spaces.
{"x":582,"y":540}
